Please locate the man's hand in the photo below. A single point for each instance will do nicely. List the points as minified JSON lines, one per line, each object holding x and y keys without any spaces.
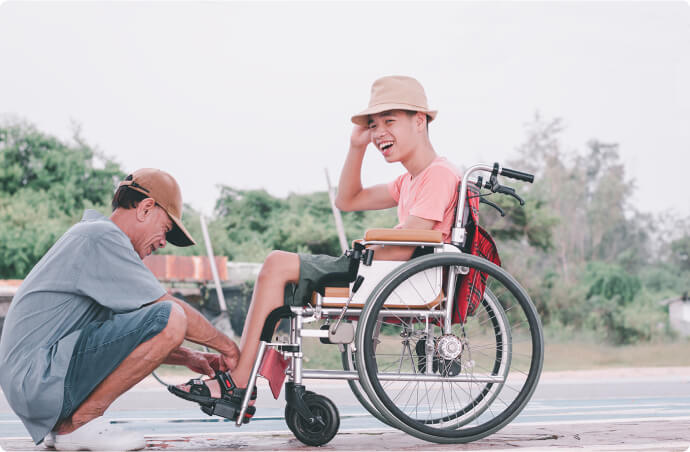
{"x":229,"y":357}
{"x":360,"y":138}
{"x":210,"y":363}
{"x":203,"y":363}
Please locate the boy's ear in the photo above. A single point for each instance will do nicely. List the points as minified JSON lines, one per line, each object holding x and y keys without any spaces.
{"x":420,"y":121}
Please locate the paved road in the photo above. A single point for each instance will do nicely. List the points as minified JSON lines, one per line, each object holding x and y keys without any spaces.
{"x":622,"y":411}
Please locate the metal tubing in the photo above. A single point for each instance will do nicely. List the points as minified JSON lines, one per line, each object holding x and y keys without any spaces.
{"x":293,"y":340}
{"x":352,"y":375}
{"x":458,"y":231}
{"x":314,"y":333}
{"x":463,"y":190}
{"x":450,"y":299}
{"x":386,"y":313}
{"x":383,"y":242}
{"x":428,"y":347}
{"x":297,"y":357}
{"x":251,"y":383}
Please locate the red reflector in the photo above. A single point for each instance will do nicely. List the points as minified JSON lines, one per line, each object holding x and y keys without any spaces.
{"x":227,"y":382}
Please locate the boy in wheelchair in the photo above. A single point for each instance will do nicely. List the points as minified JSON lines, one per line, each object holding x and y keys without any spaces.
{"x":396,"y":123}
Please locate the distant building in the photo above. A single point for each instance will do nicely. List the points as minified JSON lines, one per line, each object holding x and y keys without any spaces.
{"x":8,"y":287}
{"x":239,"y":272}
{"x":679,"y":316}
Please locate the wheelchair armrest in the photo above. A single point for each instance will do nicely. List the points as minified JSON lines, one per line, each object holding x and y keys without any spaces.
{"x":403,"y":235}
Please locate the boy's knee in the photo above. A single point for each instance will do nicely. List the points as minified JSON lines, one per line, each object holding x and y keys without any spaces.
{"x":278,"y":258}
{"x":280,"y":265}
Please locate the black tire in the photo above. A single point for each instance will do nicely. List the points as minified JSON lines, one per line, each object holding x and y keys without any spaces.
{"x":485,"y":396}
{"x":348,"y":359}
{"x":289,"y":413}
{"x":290,"y":418}
{"x":317,"y":434}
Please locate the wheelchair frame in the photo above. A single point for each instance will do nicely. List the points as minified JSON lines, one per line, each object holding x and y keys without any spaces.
{"x":301,"y":316}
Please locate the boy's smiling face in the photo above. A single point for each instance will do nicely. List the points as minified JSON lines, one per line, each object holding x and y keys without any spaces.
{"x":396,"y":133}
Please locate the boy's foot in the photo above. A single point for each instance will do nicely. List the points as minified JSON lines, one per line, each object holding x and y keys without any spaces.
{"x":100,"y":435}
{"x":219,"y":396}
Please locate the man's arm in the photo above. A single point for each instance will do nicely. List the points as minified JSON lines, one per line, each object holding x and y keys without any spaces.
{"x":351,"y":194}
{"x":402,"y":253}
{"x":197,"y":361}
{"x":200,"y":331}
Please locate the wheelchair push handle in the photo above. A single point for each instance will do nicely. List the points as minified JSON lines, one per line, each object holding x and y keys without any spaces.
{"x":515,"y":174}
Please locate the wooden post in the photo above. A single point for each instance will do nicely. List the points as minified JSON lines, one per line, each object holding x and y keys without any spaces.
{"x":336,"y":214}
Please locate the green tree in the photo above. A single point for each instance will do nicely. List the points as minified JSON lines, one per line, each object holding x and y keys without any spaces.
{"x":72,"y":175}
{"x":45,"y":184}
{"x":251,"y":223}
{"x":577,"y":213}
{"x":619,"y":307}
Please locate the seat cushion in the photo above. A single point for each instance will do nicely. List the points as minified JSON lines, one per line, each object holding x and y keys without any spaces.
{"x":403,"y":235}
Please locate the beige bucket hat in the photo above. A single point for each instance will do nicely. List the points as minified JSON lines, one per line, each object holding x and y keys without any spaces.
{"x":395,"y":92}
{"x":163,"y":188}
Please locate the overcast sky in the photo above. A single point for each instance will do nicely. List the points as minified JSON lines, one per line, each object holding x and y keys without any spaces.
{"x":260,"y":95}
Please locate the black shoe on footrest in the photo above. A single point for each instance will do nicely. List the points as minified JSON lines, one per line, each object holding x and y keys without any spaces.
{"x":227,"y":405}
{"x":228,"y":410}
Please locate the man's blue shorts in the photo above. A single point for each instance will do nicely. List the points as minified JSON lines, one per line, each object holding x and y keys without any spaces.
{"x":102,"y":346}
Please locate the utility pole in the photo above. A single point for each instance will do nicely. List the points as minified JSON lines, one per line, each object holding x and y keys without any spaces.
{"x":336,"y":214}
{"x":223,"y":320}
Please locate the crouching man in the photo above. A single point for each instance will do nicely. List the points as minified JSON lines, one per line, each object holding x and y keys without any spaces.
{"x":90,"y":320}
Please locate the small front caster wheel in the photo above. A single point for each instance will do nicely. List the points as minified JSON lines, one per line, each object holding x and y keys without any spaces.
{"x":325,"y":426}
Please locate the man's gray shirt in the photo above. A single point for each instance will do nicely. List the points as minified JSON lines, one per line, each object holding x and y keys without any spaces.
{"x":91,"y":273}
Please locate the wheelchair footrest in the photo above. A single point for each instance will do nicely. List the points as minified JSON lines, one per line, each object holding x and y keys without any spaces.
{"x":228,"y":410}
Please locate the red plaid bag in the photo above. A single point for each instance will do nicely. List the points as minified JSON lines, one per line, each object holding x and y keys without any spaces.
{"x":470,"y":287}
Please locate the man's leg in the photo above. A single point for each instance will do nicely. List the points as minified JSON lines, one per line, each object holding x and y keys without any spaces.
{"x":140,"y":363}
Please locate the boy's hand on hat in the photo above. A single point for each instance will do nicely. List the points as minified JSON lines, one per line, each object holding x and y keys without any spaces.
{"x":360,"y":138}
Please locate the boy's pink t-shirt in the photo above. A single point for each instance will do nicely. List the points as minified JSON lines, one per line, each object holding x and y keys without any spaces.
{"x":432,"y":195}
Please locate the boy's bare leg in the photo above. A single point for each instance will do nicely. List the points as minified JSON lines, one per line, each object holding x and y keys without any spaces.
{"x":140,"y":363}
{"x":279,"y":269}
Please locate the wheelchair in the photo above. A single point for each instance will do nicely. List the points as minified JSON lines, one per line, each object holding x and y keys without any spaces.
{"x":410,"y":356}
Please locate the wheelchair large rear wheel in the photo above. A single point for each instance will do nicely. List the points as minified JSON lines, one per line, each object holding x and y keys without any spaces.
{"x":348,"y":358}
{"x":448,"y":387}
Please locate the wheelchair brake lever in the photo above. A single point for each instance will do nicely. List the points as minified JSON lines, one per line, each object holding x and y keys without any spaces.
{"x":479,"y":182}
{"x":355,"y":288}
{"x":360,"y":253}
{"x":367,"y":258}
{"x":511,"y":192}
{"x":494,"y":205}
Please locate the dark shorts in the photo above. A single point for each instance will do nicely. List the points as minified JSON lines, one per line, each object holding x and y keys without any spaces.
{"x":316,"y":271}
{"x":102,"y":346}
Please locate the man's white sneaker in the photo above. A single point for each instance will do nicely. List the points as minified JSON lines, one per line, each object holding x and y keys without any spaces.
{"x":49,"y":441}
{"x":100,"y":435}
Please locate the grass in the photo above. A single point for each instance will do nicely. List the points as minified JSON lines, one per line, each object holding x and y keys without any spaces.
{"x":560,"y":353}
{"x":587,"y":355}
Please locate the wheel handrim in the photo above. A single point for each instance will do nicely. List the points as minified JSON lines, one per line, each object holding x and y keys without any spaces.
{"x":440,"y":427}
